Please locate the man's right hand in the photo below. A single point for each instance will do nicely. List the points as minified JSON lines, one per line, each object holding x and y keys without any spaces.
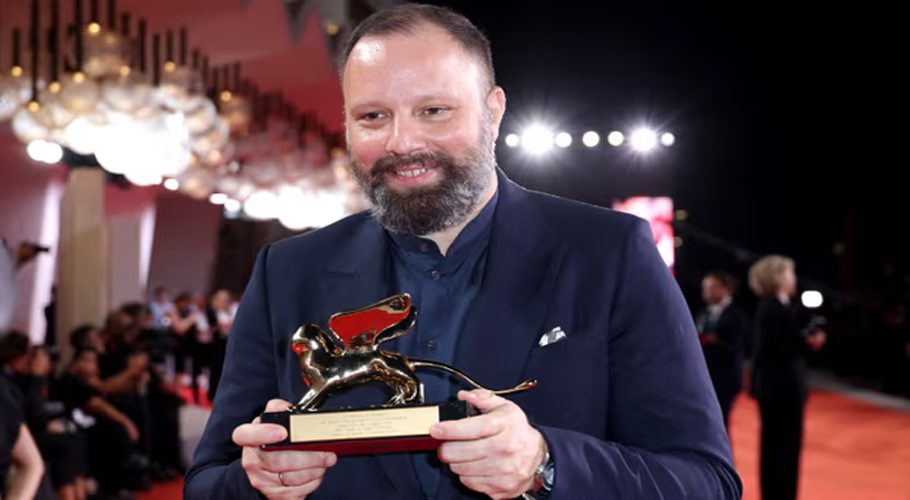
{"x":279,"y":474}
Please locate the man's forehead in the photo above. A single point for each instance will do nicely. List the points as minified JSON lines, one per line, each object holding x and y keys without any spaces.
{"x":423,"y":39}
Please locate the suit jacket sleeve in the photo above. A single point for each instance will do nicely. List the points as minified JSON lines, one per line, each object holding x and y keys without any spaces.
{"x":732,"y":330}
{"x":248,"y":381}
{"x":665,"y":434}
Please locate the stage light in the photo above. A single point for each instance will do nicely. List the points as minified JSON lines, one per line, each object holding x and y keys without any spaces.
{"x":563,"y":140}
{"x":812,"y":299}
{"x":615,"y":138}
{"x":590,"y":139}
{"x":643,"y":140}
{"x":512,"y":140}
{"x":537,"y":140}
{"x":171,"y":184}
{"x":667,"y":139}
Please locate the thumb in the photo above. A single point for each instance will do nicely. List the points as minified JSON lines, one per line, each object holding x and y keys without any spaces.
{"x":482,"y":399}
{"x":257,"y":434}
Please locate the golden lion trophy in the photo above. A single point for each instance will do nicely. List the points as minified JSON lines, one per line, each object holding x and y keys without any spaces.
{"x":348,"y":355}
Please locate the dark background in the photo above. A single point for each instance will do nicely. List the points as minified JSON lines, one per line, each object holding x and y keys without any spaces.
{"x":789,"y":120}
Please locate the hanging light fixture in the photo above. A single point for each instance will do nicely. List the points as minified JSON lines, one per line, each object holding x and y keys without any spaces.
{"x":14,"y":85}
{"x":130,"y":91}
{"x":105,"y":51}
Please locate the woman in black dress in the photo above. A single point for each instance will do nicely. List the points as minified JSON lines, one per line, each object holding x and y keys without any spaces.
{"x":779,"y":372}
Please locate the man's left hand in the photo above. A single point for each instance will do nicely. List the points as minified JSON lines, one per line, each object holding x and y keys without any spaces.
{"x":495,"y":453}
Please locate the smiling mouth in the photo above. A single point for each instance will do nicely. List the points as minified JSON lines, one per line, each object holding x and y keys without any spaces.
{"x":412,"y":171}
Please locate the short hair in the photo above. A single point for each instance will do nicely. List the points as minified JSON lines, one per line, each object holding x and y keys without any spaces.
{"x":766,"y":274}
{"x":79,"y":335}
{"x":134,"y":310}
{"x":14,"y":345}
{"x":725,"y":279}
{"x":407,"y":18}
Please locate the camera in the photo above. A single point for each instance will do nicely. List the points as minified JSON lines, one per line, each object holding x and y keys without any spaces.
{"x":816,"y":322}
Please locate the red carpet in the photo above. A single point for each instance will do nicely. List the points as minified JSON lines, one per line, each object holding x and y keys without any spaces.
{"x":852,"y":450}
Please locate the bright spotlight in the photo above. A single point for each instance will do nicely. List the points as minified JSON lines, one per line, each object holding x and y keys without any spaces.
{"x":171,"y":184}
{"x":616,"y":138}
{"x":812,"y":299}
{"x":667,"y":139}
{"x":563,"y":140}
{"x":537,"y":140}
{"x":643,"y":140}
{"x":590,"y":139}
{"x":232,"y":206}
{"x":512,"y":140}
{"x":218,"y":198}
{"x":44,"y":151}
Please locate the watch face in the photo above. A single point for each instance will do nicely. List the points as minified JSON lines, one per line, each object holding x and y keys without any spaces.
{"x":549,"y":475}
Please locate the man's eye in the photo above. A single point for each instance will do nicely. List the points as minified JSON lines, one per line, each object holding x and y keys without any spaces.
{"x":435,"y":110}
{"x":372,"y":116}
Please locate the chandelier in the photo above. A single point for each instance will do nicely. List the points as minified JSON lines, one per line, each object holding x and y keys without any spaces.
{"x":174,"y":120}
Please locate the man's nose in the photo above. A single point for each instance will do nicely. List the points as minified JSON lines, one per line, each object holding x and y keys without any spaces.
{"x":406,"y":136}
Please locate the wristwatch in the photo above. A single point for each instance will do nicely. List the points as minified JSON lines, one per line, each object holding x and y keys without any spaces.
{"x":544,"y":479}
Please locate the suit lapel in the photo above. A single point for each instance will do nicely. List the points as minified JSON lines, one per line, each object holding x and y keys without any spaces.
{"x":506,"y":319}
{"x":357,"y":275}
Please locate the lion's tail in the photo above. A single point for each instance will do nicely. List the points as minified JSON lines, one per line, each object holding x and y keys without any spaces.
{"x":425,"y":363}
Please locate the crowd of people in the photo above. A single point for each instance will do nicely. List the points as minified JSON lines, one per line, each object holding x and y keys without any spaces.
{"x":104,"y":423}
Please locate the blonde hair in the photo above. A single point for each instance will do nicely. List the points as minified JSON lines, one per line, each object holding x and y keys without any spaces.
{"x":766,"y":275}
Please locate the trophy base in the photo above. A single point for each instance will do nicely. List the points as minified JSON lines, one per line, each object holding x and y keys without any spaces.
{"x":364,"y":430}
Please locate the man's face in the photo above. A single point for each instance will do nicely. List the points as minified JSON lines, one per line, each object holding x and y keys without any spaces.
{"x":712,"y":290}
{"x":421,"y":128}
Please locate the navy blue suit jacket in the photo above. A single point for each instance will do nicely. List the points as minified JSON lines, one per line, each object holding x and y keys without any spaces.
{"x":624,"y":401}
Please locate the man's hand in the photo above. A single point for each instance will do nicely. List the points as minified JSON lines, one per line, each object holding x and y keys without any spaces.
{"x":137,"y":363}
{"x":279,"y":474}
{"x":495,"y":453}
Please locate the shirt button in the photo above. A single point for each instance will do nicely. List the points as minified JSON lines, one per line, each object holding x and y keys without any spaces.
{"x":430,"y":345}
{"x":434,"y":274}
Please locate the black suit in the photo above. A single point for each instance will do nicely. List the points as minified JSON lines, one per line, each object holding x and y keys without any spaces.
{"x":779,"y":383}
{"x":724,"y":357}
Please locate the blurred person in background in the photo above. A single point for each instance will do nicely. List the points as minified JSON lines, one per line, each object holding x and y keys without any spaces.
{"x":112,"y":435}
{"x":183,"y":331}
{"x":161,"y":307}
{"x":221,"y":311}
{"x":781,"y":344}
{"x":723,"y":330}
{"x":18,"y":451}
{"x":28,"y":368}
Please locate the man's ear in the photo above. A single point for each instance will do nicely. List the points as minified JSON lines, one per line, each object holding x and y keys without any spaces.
{"x":496,"y":104}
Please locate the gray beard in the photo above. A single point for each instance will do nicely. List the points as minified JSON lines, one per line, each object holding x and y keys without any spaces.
{"x":433,"y":209}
